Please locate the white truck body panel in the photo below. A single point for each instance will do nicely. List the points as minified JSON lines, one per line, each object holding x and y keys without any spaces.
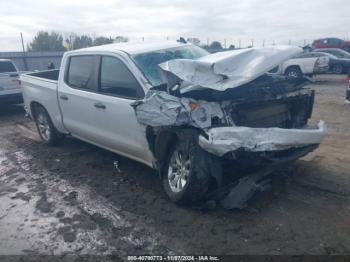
{"x":114,"y":128}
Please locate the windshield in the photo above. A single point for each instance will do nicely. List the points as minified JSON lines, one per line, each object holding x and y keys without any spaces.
{"x":148,"y":62}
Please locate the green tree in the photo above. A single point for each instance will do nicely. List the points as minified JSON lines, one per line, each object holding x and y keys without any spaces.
{"x":215,"y":45}
{"x":231,"y":47}
{"x":101,"y":40}
{"x":82,"y":42}
{"x":45,"y":41}
{"x":121,"y":39}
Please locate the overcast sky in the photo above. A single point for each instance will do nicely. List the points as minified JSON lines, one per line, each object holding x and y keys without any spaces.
{"x":269,"y":20}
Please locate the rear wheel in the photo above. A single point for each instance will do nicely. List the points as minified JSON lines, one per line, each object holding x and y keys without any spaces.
{"x":47,"y":131}
{"x":294,"y":72}
{"x":337,"y":69}
{"x":184,"y":180}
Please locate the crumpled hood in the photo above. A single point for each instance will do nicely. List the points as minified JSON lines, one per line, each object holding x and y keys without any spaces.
{"x":229,"y":69}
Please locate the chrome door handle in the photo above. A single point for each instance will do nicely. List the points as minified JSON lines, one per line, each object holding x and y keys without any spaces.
{"x":100,"y":105}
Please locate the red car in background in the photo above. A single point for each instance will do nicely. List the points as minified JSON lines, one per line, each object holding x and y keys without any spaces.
{"x":331,"y":43}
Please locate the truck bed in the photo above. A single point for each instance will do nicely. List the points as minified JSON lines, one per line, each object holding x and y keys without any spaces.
{"x":47,"y":75}
{"x":41,"y":87}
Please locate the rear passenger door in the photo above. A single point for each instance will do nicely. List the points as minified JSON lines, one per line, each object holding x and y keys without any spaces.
{"x":77,"y":96}
{"x":118,"y":126}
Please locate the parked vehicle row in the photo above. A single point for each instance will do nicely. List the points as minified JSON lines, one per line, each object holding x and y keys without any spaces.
{"x":325,"y":60}
{"x":339,"y":59}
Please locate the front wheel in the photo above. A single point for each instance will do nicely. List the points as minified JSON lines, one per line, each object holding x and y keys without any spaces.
{"x":185,"y":180}
{"x":47,"y":131}
{"x":294,"y":72}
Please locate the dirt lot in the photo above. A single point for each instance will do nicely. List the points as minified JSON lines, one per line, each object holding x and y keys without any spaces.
{"x":72,"y":200}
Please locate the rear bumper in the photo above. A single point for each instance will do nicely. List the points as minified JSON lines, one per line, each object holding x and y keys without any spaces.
{"x":11,"y":98}
{"x":222,"y":140}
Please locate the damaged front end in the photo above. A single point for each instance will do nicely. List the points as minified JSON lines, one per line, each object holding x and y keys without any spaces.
{"x":238,"y":111}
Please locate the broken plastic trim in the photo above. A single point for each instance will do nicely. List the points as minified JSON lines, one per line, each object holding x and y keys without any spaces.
{"x":222,"y":140}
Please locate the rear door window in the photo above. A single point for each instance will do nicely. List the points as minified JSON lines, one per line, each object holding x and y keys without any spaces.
{"x":7,"y":67}
{"x":117,"y":80}
{"x":81,"y":72}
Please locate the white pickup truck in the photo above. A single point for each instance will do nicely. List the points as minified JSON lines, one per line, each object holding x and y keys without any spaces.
{"x":178,"y":109}
{"x":302,"y":64}
{"x":10,"y":88}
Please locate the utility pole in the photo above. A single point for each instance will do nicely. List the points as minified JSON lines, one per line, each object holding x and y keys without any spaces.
{"x":225,"y":43}
{"x":24,"y":54}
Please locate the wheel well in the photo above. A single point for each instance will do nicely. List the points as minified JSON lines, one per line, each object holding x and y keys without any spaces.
{"x":162,"y":144}
{"x":293,"y":67}
{"x":165,"y":139}
{"x":33,"y":106}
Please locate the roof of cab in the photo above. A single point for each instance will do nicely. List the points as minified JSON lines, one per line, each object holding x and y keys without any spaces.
{"x":132,"y":48}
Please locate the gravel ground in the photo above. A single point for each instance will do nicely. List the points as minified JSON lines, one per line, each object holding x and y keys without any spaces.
{"x":71,"y":199}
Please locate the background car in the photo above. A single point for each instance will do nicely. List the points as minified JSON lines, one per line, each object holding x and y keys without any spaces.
{"x":302,"y":65}
{"x":331,"y":43}
{"x":340,"y":59}
{"x":10,"y":88}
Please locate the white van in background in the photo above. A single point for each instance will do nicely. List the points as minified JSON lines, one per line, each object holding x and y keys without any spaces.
{"x":10,"y":87}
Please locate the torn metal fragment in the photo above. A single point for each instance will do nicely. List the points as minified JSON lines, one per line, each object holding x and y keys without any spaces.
{"x":159,"y":108}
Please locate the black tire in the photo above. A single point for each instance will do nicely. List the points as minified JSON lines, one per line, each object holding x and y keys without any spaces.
{"x":47,"y":131}
{"x":293,"y":72}
{"x":338,"y":69}
{"x":198,"y":178}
